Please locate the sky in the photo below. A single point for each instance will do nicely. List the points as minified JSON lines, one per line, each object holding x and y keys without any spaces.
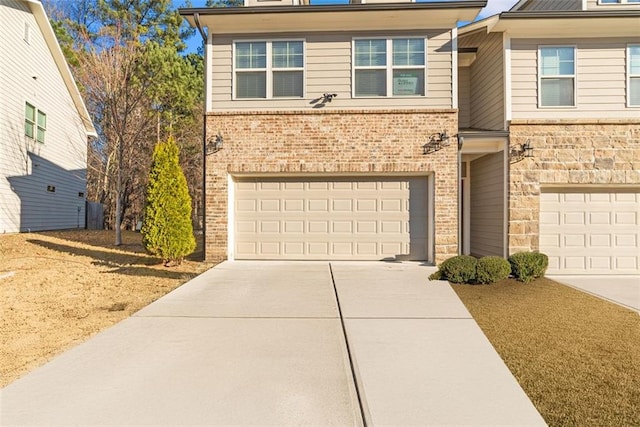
{"x":493,"y":7}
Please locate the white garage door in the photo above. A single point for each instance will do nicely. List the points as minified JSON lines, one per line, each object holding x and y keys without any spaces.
{"x":348,"y":219}
{"x":591,"y":232}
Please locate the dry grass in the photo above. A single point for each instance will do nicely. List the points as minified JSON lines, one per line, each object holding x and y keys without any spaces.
{"x":575,"y":355}
{"x":59,"y":288}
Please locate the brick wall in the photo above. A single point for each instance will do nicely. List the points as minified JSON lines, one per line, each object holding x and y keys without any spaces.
{"x":570,"y":153}
{"x":332,"y":142}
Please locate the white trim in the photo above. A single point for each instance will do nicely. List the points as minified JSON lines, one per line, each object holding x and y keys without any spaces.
{"x":208,"y":81}
{"x":505,"y":200}
{"x":629,"y":75}
{"x":466,"y":212}
{"x":269,"y":68}
{"x":231,"y":216}
{"x":388,"y":67}
{"x":506,"y":70}
{"x":574,"y":76}
{"x":454,"y":67}
{"x":584,"y":4}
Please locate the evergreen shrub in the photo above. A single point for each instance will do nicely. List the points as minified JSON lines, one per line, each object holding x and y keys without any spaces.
{"x":491,"y":269}
{"x":526,"y":266}
{"x":459,"y":269}
{"x":167,"y":230}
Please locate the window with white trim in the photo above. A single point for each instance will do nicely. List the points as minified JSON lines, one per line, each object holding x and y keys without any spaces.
{"x":618,"y":1}
{"x":557,"y":76}
{"x":389,"y":67}
{"x":269,"y":69}
{"x":633,"y":75}
{"x":35,"y":123}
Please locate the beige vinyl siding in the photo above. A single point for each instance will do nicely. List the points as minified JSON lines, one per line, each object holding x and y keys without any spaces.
{"x":541,"y":5}
{"x":328,"y":70}
{"x":28,"y":73}
{"x":593,"y":5}
{"x":487,"y":205}
{"x":600,"y":79}
{"x":487,"y":85}
{"x":464,"y":95}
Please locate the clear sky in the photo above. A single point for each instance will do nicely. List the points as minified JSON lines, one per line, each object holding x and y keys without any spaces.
{"x":493,"y":7}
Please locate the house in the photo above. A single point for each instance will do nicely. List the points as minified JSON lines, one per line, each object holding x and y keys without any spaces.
{"x":44,"y":126}
{"x":380,"y":130}
{"x":562,"y":78}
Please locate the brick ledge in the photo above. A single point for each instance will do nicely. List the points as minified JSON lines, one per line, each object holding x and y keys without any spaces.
{"x":341,"y":112}
{"x":533,"y":122}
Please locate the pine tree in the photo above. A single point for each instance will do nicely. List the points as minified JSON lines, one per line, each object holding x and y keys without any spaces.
{"x":167,"y":230}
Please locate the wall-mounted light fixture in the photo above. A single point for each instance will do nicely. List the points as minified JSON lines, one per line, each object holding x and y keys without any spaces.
{"x":437,"y":141}
{"x":520,"y":151}
{"x":214,"y":144}
{"x":328,"y":97}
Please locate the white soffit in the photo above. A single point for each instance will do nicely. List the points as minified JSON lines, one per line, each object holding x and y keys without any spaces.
{"x":618,"y":26}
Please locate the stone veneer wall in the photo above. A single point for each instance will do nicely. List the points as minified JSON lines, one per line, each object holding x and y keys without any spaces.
{"x":570,"y":153}
{"x":332,"y":142}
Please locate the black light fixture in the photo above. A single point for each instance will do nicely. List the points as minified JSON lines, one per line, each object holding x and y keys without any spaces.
{"x":521,"y":151}
{"x":328,"y":97}
{"x":437,"y":141}
{"x":214,"y":144}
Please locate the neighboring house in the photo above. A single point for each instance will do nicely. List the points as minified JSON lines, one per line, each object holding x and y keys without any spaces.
{"x":564,"y":77}
{"x":44,"y":126}
{"x":334,"y":123}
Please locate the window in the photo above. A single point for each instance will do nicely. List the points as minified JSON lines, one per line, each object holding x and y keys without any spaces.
{"x":27,"y":33}
{"x":42,"y":126}
{"x":269,"y":69}
{"x":618,"y":1}
{"x":35,"y":123}
{"x":389,"y":67}
{"x":633,"y":75}
{"x":29,"y":120}
{"x":557,"y":76}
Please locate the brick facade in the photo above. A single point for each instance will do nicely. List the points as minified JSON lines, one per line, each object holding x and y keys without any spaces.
{"x":331,"y":143}
{"x":567,"y":153}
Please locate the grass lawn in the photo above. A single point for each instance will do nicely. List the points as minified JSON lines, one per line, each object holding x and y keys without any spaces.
{"x":576,"y":356}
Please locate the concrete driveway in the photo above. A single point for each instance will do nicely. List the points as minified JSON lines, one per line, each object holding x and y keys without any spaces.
{"x":622,"y":290}
{"x":283,"y":343}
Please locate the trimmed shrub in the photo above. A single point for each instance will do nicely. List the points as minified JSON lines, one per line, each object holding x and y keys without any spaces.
{"x":167,"y":230}
{"x":459,"y":269}
{"x":490,"y":269}
{"x":526,"y":266}
{"x":436,"y":276}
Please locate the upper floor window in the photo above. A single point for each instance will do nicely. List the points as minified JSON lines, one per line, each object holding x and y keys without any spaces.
{"x":618,"y":1}
{"x":633,"y":75}
{"x":389,"y":67}
{"x":269,"y":69}
{"x":35,"y":123}
{"x":557,"y":76}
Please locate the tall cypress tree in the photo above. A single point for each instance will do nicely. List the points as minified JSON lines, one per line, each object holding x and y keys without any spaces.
{"x":167,"y":230}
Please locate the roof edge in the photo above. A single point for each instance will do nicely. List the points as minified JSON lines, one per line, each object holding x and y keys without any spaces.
{"x":469,"y":4}
{"x":570,"y":14}
{"x":37,"y":9}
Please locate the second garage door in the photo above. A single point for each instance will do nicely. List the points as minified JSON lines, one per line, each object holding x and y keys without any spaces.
{"x":324,"y":219}
{"x":591,"y":232}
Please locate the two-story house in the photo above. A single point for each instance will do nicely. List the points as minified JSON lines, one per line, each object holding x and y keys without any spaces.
{"x":561,"y":78}
{"x":44,"y":126}
{"x":338,"y":125}
{"x":380,"y":130}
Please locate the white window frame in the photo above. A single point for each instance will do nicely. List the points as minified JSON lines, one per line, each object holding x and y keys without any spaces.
{"x":269,"y":69}
{"x":630,"y":76}
{"x":600,"y":2}
{"x":561,"y":76}
{"x":389,"y":67}
{"x":34,"y":122}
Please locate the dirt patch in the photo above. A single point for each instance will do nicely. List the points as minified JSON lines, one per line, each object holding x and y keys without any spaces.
{"x":59,"y":288}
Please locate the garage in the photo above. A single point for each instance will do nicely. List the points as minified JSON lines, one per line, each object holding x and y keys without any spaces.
{"x":593,"y":231}
{"x":343,"y":218}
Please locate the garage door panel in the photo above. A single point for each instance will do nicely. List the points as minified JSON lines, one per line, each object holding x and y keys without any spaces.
{"x":331,"y":219}
{"x":591,"y":232}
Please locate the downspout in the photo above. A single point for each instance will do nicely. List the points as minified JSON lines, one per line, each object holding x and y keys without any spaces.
{"x":196,"y":19}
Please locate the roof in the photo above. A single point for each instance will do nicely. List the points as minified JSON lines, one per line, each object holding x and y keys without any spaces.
{"x":343,"y":17}
{"x":40,"y":15}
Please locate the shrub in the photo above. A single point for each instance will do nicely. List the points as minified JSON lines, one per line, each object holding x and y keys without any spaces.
{"x":459,"y":269}
{"x":526,"y":266}
{"x":167,"y":230}
{"x":490,"y":269}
